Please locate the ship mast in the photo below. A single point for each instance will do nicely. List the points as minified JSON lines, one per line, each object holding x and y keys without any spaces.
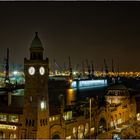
{"x":70,"y":67}
{"x":83,"y":68}
{"x":92,"y":69}
{"x":7,"y":80}
{"x":106,"y":67}
{"x":88,"y":66}
{"x":112,"y":66}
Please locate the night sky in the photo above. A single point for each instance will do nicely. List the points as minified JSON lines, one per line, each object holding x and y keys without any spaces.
{"x":82,"y":30}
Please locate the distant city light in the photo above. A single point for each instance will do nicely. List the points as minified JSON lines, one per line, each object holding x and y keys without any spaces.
{"x":74,"y":73}
{"x":70,"y":80}
{"x":15,"y":72}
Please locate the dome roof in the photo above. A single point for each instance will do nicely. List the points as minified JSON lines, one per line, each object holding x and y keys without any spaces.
{"x":117,"y":87}
{"x":117,"y":90}
{"x":36,"y":43}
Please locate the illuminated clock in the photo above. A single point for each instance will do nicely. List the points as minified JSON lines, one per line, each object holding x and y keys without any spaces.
{"x":42,"y":70}
{"x":31,"y":70}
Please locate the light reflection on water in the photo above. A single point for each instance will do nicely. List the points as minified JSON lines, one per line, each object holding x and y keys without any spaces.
{"x":70,"y":96}
{"x":82,"y":94}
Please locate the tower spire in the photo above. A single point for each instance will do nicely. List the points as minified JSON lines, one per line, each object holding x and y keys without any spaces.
{"x":36,"y":49}
{"x":70,"y":67}
{"x":112,"y":66}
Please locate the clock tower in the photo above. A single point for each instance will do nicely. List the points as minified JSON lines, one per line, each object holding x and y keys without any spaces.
{"x":36,"y":101}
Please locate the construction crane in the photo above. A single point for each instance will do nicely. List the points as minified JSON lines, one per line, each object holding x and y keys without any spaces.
{"x":106,"y":68}
{"x":92,"y":69}
{"x":88,"y":67}
{"x":112,"y":66}
{"x":70,"y":67}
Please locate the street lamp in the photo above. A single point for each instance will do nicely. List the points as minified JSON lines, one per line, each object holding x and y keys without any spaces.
{"x":90,"y":118}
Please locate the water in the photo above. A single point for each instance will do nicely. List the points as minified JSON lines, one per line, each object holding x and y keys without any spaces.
{"x":67,"y":95}
{"x":71,"y":95}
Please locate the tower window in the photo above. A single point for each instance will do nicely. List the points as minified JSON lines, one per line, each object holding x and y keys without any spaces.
{"x":41,"y":122}
{"x":29,"y":122}
{"x":46,"y":121}
{"x":26,"y":123}
{"x":33,"y":122}
{"x":40,"y":56}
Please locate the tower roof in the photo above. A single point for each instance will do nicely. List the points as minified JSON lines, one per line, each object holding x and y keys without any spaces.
{"x":36,"y":43}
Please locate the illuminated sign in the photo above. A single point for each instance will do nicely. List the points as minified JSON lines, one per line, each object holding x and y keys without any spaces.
{"x":88,"y":83}
{"x":9,"y":127}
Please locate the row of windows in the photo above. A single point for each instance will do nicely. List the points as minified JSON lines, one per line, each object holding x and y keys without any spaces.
{"x":43,"y":122}
{"x":30,"y":123}
{"x":67,"y":115}
{"x":53,"y":118}
{"x":9,"y":118}
{"x":36,"y":56}
{"x":117,"y":93}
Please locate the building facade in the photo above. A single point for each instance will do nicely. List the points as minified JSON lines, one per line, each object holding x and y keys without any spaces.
{"x":30,"y":116}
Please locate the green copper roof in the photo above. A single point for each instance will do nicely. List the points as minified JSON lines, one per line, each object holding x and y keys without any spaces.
{"x":36,"y":43}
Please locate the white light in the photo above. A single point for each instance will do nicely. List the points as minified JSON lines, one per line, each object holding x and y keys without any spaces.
{"x":42,"y":105}
{"x":42,"y":70}
{"x":88,"y":83}
{"x":31,"y":70}
{"x":15,"y":72}
{"x":74,"y":72}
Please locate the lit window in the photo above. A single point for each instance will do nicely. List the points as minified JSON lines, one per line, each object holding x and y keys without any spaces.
{"x":50,"y":119}
{"x":92,"y":130}
{"x":3,"y":117}
{"x":9,"y":127}
{"x":43,"y":105}
{"x":68,"y":137}
{"x":86,"y":129}
{"x":13,"y":136}
{"x":138,"y":116}
{"x":13,"y":118}
{"x":74,"y":130}
{"x":53,"y":118}
{"x":67,"y":115}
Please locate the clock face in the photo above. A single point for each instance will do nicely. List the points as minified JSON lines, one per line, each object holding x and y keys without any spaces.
{"x":42,"y":70}
{"x":31,"y":70}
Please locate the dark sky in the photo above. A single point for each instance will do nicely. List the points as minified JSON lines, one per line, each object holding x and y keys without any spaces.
{"x":82,"y":30}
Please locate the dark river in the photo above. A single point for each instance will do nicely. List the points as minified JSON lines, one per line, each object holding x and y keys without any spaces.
{"x":70,"y":95}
